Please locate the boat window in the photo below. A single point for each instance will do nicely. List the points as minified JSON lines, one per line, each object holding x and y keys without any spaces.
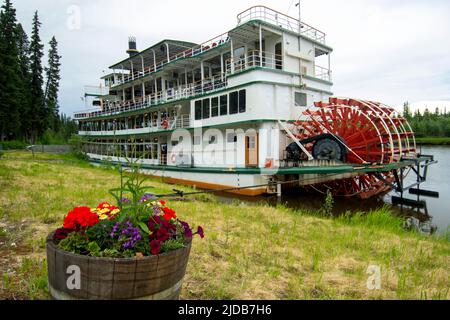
{"x":212,"y":139}
{"x":232,"y":138}
{"x":300,"y":99}
{"x":234,"y":99}
{"x":198,"y":110}
{"x":239,"y":53}
{"x":206,"y":110}
{"x":224,"y":105}
{"x":242,"y":101}
{"x":278,"y":56}
{"x":214,"y":107}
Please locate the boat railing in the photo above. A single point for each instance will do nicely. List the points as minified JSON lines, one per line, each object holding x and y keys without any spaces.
{"x":268,"y":60}
{"x":254,"y":59}
{"x":281,"y":20}
{"x":97,"y":91}
{"x":322,"y":73}
{"x":173,"y":123}
{"x":191,"y":52}
{"x":173,"y":94}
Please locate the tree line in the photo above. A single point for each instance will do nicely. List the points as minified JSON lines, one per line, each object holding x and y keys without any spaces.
{"x":428,"y":123}
{"x":29,"y":109}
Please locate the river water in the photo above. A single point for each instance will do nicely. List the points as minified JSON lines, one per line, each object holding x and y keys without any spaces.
{"x":435,"y":217}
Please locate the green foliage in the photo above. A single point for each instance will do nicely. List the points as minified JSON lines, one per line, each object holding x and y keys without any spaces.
{"x":13,"y":145}
{"x":52,"y":72}
{"x":171,"y":245}
{"x":10,"y":81}
{"x":429,"y":124}
{"x":132,"y":186}
{"x":76,"y":242}
{"x":327,"y":208}
{"x":52,"y":137}
{"x":438,"y":141}
{"x":31,"y":114}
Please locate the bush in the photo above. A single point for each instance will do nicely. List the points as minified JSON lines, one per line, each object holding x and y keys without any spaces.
{"x":51,"y":137}
{"x":76,"y":146}
{"x":13,"y":145}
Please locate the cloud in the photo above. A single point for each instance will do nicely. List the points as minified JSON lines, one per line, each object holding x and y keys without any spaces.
{"x":386,"y":50}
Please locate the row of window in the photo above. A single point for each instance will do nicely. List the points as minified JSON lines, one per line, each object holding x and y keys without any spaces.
{"x":232,"y":103}
{"x":150,"y":151}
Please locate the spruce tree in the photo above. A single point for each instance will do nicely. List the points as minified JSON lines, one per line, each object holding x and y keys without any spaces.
{"x":9,"y":70}
{"x":23,"y":45}
{"x":38,"y":113}
{"x":52,"y":85}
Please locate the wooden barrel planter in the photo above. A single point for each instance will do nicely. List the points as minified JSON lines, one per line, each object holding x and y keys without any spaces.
{"x":148,"y":278}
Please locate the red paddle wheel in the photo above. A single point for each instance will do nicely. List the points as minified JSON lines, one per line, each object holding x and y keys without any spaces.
{"x":357,"y":132}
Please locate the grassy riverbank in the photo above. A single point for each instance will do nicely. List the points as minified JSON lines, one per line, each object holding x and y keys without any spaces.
{"x":435,"y":141}
{"x":249,"y":252}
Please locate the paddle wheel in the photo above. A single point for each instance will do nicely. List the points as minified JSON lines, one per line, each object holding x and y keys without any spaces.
{"x":355,"y":132}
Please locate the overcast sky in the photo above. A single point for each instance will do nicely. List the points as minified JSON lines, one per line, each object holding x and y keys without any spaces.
{"x":385,"y":50}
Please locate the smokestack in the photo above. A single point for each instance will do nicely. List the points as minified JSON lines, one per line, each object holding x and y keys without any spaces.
{"x":132,"y":47}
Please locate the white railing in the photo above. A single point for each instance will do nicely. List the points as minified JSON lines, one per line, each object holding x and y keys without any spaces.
{"x":322,"y":73}
{"x":97,"y":91}
{"x":254,"y":59}
{"x":281,"y":20}
{"x":152,"y":125}
{"x":183,"y":92}
{"x":269,"y":61}
{"x":191,"y":52}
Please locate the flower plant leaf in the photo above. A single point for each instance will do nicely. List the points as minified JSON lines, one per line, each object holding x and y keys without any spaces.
{"x":144,"y":227}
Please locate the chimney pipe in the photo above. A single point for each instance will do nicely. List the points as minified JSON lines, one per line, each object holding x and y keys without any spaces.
{"x":132,"y":47}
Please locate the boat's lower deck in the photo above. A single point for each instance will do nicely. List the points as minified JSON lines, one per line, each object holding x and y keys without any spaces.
{"x":256,"y":181}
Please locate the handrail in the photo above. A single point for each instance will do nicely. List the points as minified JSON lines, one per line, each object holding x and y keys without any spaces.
{"x":275,"y":17}
{"x":189,"y":53}
{"x":253,"y":60}
{"x":182,"y":92}
{"x":269,"y":61}
{"x":179,"y":122}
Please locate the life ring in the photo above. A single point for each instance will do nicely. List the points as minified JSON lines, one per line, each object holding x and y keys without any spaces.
{"x":165,"y":124}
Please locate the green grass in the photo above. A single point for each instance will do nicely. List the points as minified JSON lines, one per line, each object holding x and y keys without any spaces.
{"x":433,"y":140}
{"x":249,"y":252}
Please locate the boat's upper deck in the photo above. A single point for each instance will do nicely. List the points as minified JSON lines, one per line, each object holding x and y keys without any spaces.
{"x":158,"y":56}
{"x":171,"y":70}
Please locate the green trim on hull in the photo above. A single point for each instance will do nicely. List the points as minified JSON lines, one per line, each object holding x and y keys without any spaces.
{"x":341,"y":169}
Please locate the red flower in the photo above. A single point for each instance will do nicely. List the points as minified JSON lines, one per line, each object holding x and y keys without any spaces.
{"x":61,"y":234}
{"x":153,"y":223}
{"x":169,"y":214}
{"x":80,"y":217}
{"x":200,"y":232}
{"x":162,"y":235}
{"x":162,"y":202}
{"x":155,"y":246}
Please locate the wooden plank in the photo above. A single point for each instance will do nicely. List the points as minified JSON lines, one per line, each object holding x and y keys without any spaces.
{"x":51,"y":260}
{"x":100,"y":277}
{"x":63,"y":261}
{"x":124,"y":278}
{"x":145,"y":276}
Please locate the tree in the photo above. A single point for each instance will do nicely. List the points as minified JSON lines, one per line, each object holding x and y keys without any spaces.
{"x":407,"y":110}
{"x":38,"y":113}
{"x":52,"y":86}
{"x":9,"y":79}
{"x":23,"y":45}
